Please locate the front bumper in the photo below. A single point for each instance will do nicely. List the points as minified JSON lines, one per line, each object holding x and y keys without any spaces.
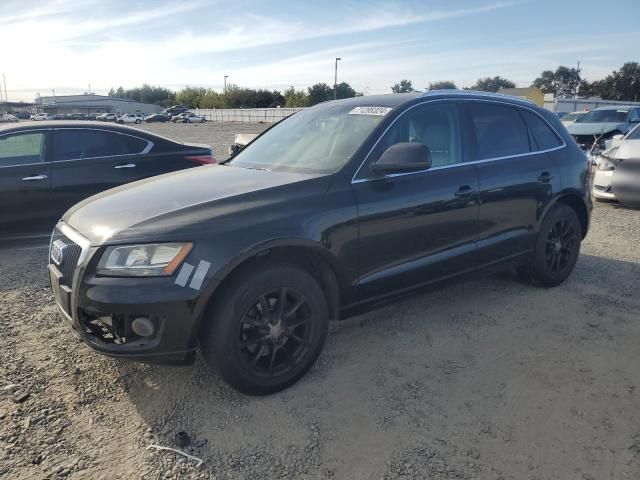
{"x":100,"y":312}
{"x":602,"y":185}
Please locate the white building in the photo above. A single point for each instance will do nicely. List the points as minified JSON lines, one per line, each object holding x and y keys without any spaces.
{"x":90,"y":103}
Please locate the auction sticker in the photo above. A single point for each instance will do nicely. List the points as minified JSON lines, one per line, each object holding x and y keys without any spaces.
{"x":379,"y":111}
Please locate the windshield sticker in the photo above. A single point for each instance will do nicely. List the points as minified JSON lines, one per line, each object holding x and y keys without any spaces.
{"x":379,"y":111}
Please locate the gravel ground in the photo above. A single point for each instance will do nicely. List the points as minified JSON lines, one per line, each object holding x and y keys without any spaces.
{"x":482,"y":378}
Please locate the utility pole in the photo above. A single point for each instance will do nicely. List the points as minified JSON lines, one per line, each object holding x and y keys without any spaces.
{"x":577,"y":81}
{"x":225,"y":90}
{"x":335,"y":80}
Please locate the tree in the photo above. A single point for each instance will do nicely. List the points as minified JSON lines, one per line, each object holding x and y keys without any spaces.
{"x":112,"y":92}
{"x":295,"y":98}
{"x":494,"y":84}
{"x":190,"y":96}
{"x":622,"y":84}
{"x":442,"y":85}
{"x":318,"y":93}
{"x":344,"y":90}
{"x":404,"y":86}
{"x":562,"y":83}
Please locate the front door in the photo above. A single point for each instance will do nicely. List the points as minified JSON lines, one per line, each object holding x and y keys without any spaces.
{"x":24,"y":180}
{"x":418,"y":227}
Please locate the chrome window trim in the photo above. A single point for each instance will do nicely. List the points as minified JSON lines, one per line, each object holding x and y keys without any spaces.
{"x":453,"y":165}
{"x":37,"y":130}
{"x":145,"y":151}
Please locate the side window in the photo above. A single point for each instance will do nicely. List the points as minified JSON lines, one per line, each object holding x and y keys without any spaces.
{"x":634,"y":116}
{"x":435,"y":126}
{"x":21,"y":149}
{"x":543,"y":137}
{"x":499,"y":130}
{"x":76,"y":144}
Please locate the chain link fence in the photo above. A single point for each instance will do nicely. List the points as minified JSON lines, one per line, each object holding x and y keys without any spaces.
{"x":246,"y":115}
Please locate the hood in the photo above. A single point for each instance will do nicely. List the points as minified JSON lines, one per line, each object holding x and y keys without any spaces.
{"x":172,"y":201}
{"x":624,"y":150}
{"x":578,"y":128}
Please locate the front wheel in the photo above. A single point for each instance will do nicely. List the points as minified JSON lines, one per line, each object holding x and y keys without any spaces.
{"x":556,"y":250}
{"x":267,"y":329}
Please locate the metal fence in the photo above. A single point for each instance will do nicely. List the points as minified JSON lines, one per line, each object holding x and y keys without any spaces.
{"x":246,"y":115}
{"x":580,"y":104}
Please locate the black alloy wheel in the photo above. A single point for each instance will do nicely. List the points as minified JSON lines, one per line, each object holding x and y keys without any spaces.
{"x":562,"y":240}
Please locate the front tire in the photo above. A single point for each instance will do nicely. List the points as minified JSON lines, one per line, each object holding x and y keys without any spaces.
{"x":267,"y":329}
{"x":556,"y":250}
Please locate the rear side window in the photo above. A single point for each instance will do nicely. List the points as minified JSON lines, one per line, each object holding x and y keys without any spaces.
{"x":543,"y":137}
{"x":77,"y":144}
{"x":21,"y":149}
{"x":499,"y":131}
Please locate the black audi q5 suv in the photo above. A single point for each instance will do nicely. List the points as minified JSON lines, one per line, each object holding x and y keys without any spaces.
{"x":337,"y":208}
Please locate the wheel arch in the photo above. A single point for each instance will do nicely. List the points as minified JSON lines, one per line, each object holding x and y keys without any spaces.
{"x":576,"y":201}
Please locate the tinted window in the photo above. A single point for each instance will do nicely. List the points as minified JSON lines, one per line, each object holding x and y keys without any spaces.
{"x":634,"y":134}
{"x":604,"y":116}
{"x":78,"y":144}
{"x":500,"y":131}
{"x":21,"y":149}
{"x":435,"y":126}
{"x":543,"y":137}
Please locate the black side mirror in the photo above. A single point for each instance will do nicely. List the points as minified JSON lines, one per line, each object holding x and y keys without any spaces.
{"x":402,"y":158}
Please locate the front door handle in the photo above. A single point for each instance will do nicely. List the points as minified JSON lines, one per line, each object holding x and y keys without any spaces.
{"x":464,"y":191}
{"x":545,"y":177}
{"x":126,"y":165}
{"x":35,"y":178}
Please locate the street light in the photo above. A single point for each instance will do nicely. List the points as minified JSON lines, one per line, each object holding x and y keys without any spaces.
{"x":335,"y":80}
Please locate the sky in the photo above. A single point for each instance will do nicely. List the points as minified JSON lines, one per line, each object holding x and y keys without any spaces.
{"x":67,"y":45}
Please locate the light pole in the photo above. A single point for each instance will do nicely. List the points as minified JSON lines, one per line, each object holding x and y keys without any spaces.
{"x":225,"y":90}
{"x":335,"y":80}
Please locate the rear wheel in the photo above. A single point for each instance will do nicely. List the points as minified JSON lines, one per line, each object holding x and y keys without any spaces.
{"x":267,"y":330}
{"x":556,"y":250}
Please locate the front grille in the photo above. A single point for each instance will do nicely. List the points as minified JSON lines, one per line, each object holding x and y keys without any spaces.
{"x":586,"y":141}
{"x":70,"y":259}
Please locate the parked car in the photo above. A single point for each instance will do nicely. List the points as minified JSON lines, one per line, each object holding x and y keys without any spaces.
{"x":623,"y":150}
{"x":45,"y":169}
{"x":601,"y":124}
{"x":240,"y":141}
{"x":131,"y":118}
{"x":570,"y":118}
{"x":8,"y":118}
{"x":157,"y":117}
{"x":333,"y":210}
{"x":41,"y":116}
{"x":107,"y":117}
{"x":175,"y":110}
{"x":22,"y":115}
{"x":190,"y":117}
{"x":75,"y":116}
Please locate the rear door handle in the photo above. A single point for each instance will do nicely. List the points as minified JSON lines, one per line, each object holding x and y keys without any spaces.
{"x":126,"y":165}
{"x":464,"y":191}
{"x":545,"y":177}
{"x":35,"y":178}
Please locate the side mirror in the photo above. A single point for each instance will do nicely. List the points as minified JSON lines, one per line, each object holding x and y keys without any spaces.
{"x":403,"y":157}
{"x":617,"y":137}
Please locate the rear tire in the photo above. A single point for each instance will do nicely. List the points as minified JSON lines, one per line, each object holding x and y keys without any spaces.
{"x":266,"y":330}
{"x":556,"y":249}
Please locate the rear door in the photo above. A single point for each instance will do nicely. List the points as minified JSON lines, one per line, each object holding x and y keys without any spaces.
{"x":88,"y":161}
{"x":24,"y":177}
{"x":517,"y":175}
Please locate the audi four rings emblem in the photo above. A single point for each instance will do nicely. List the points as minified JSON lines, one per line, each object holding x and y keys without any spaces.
{"x":57,"y":252}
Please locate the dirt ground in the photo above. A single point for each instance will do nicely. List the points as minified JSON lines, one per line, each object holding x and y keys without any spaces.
{"x":481,"y":378}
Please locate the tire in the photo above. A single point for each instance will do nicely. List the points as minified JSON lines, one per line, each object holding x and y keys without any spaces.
{"x":138,"y":122}
{"x":238,"y":341}
{"x":556,"y":249}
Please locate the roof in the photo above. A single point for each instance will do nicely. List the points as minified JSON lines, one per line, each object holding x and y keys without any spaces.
{"x":615,"y":107}
{"x":28,"y":125}
{"x":475,"y":94}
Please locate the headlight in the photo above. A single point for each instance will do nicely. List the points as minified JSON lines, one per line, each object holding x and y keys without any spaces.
{"x":605,"y":165}
{"x":150,"y":260}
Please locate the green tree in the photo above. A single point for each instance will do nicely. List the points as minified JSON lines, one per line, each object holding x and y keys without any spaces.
{"x":318,"y":93}
{"x":112,"y":92}
{"x":190,"y":96}
{"x":490,"y":84}
{"x":344,"y":90}
{"x":442,"y":85}
{"x":562,"y":83}
{"x":622,"y":84}
{"x":295,"y":98}
{"x":404,"y":86}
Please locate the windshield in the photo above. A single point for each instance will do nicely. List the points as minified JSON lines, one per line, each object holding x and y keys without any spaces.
{"x":604,"y":116}
{"x":634,"y":134}
{"x":317,"y":140}
{"x":572,"y":117}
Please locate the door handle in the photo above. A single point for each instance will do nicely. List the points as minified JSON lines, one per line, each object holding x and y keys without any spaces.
{"x":35,"y":178}
{"x":126,"y":165}
{"x":464,"y":191}
{"x":545,"y":177}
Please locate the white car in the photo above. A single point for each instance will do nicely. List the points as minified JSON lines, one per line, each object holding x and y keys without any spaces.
{"x":7,"y":117}
{"x":107,"y":117}
{"x":131,"y":118}
{"x":189,"y":117}
{"x":41,"y":116}
{"x":627,"y":147}
{"x":570,"y":118}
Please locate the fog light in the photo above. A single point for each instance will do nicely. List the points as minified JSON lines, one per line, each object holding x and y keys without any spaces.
{"x":143,"y":326}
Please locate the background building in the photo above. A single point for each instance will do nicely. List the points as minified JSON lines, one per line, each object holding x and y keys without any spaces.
{"x":533,"y":94}
{"x":90,"y":103}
